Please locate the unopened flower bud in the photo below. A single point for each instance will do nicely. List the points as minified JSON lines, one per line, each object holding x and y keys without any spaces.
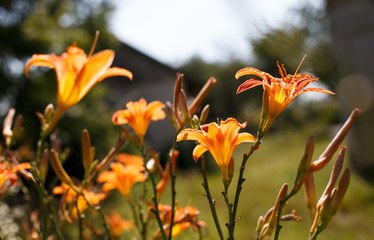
{"x":202,"y":94}
{"x":204,"y":114}
{"x":310,"y":194}
{"x":335,"y":143}
{"x":304,"y":163}
{"x":151,"y":165}
{"x":7,"y":125}
{"x":59,"y":170}
{"x":184,"y":107}
{"x":49,"y":112}
{"x":88,"y":152}
{"x":341,"y":190}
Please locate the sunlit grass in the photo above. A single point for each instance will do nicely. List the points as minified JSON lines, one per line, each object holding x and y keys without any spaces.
{"x":272,"y":165}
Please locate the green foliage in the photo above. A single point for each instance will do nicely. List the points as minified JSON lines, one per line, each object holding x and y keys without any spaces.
{"x":42,"y":27}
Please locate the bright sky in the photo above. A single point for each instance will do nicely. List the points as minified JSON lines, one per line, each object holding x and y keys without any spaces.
{"x":172,"y":31}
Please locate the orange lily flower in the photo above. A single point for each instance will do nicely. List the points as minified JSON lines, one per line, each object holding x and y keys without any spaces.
{"x":117,"y":224}
{"x":8,"y":176}
{"x":70,"y":196}
{"x":76,"y":74}
{"x":139,"y":115}
{"x":278,"y":92}
{"x":184,"y":217}
{"x":165,"y":174}
{"x":122,"y":177}
{"x":220,"y":140}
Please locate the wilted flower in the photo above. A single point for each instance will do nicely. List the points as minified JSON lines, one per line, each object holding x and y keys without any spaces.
{"x":139,"y":115}
{"x":219,"y":140}
{"x":76,"y":74}
{"x":278,"y":92}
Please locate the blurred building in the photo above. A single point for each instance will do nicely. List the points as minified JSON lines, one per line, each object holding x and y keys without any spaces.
{"x":352,"y":28}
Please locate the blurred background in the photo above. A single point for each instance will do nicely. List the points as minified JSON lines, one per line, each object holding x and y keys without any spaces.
{"x":156,"y":39}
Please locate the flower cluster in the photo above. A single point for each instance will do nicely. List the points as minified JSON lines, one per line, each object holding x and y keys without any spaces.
{"x":142,"y":175}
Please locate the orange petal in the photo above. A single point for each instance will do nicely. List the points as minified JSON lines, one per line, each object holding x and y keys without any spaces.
{"x":250,"y":71}
{"x":198,"y":151}
{"x":191,"y":134}
{"x":93,"y":70}
{"x":42,"y":60}
{"x":115,"y":71}
{"x":245,"y":137}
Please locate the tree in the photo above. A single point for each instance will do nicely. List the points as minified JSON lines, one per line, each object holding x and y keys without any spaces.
{"x":45,"y":26}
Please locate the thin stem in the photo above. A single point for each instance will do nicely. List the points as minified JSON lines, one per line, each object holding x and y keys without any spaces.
{"x":210,"y":200}
{"x":241,"y":179}
{"x":282,"y":203}
{"x":98,"y":209}
{"x":156,"y":211}
{"x":172,"y":185}
{"x":80,"y":220}
{"x":230,"y":225}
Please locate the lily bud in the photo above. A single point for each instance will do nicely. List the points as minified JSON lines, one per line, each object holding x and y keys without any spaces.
{"x":170,"y":113}
{"x":177,"y":89}
{"x":201,"y":95}
{"x":304,"y":163}
{"x":341,"y":190}
{"x":59,"y":170}
{"x":43,"y":165}
{"x":335,"y":143}
{"x":88,"y":152}
{"x":151,"y":165}
{"x":7,"y":126}
{"x":310,"y":194}
{"x":273,"y":217}
{"x":204,"y":114}
{"x":49,"y":112}
{"x":184,"y":107}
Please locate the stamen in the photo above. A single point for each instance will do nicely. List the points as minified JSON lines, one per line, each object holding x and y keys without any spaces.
{"x":94,"y":43}
{"x":302,"y":60}
{"x":280,"y":70}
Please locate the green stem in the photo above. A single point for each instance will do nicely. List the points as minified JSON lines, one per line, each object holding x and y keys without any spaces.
{"x":172,"y":185}
{"x":241,"y":179}
{"x":210,"y":200}
{"x":98,"y":209}
{"x":156,"y":211}
{"x":282,"y":203}
{"x":80,"y":220}
{"x":230,"y":225}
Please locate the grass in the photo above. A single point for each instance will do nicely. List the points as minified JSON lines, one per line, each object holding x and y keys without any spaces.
{"x":272,"y":165}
